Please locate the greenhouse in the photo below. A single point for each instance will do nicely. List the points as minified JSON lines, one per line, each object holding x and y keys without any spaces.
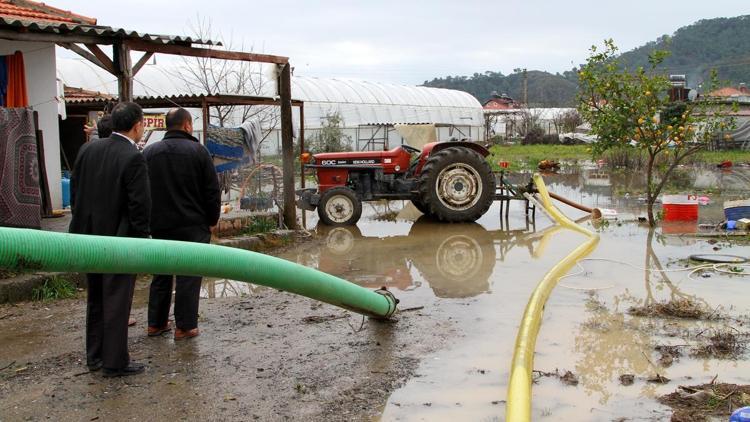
{"x":372,"y":115}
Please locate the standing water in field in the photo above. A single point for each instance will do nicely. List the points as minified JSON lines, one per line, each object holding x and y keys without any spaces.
{"x":597,"y":356}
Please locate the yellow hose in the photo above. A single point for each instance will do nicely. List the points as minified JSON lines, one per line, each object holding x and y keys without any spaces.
{"x":519,"y":387}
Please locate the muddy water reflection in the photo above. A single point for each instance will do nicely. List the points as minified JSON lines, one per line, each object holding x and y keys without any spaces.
{"x":586,"y":328}
{"x":213,"y":288}
{"x":455,"y":260}
{"x":482,"y":275}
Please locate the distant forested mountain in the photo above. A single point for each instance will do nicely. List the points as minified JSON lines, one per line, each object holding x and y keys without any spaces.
{"x":544,"y":89}
{"x":722,"y":44}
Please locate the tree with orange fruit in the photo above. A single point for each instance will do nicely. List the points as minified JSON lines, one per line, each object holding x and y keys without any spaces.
{"x":633,"y":108}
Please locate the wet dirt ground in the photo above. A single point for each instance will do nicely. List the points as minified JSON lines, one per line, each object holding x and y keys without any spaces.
{"x":447,"y":357}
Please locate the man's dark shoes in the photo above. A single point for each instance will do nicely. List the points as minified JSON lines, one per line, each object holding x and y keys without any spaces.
{"x":157,"y":331}
{"x":94,"y":365}
{"x":186,"y":334}
{"x":131,"y":369}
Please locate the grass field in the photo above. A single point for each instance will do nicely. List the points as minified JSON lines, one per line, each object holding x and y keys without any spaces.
{"x":526,"y":157}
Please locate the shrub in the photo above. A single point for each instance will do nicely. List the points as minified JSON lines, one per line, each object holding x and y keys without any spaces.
{"x":55,"y":288}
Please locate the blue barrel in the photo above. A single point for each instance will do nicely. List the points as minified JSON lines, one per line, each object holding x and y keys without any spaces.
{"x":740,"y":415}
{"x":65,"y":192}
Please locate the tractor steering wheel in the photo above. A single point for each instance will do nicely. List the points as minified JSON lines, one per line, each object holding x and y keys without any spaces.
{"x":410,"y":149}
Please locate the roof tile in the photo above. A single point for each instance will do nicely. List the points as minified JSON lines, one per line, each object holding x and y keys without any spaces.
{"x":28,"y":10}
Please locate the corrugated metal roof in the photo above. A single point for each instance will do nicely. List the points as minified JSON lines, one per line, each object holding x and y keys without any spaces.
{"x":148,"y":101}
{"x":65,"y":28}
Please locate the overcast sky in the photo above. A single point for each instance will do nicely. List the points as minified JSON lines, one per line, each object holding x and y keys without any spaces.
{"x":409,"y":42}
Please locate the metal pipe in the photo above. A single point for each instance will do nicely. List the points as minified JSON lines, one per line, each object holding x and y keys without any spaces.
{"x":518,"y":407}
{"x":567,"y":201}
{"x":35,"y":250}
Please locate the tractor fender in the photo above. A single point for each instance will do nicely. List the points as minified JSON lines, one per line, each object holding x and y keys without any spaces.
{"x":434,"y":147}
{"x":437,"y":146}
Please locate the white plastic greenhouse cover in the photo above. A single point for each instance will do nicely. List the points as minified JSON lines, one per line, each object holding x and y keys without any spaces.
{"x":363,"y":103}
{"x":358,"y":102}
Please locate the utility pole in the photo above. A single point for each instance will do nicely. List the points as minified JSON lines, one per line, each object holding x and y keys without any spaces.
{"x":525,"y":88}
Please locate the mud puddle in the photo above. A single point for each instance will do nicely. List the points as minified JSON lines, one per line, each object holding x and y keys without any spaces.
{"x":482,"y":275}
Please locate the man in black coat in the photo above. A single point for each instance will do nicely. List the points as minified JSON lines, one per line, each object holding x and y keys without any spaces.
{"x":187,"y":202}
{"x":110,"y":196}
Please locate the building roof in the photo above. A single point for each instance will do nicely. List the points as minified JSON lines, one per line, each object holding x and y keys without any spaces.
{"x":65,"y":28}
{"x":33,"y":11}
{"x":496,"y":104}
{"x":728,"y":91}
{"x":33,"y":17}
{"x":93,"y":100}
{"x":501,"y":102}
{"x":80,"y":95}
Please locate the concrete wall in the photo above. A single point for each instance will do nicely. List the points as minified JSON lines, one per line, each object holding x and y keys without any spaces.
{"x":39,"y":60}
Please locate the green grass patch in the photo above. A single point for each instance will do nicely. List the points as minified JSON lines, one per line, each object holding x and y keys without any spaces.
{"x":55,"y":288}
{"x":527,"y":157}
{"x":716,"y":157}
{"x":261,"y":225}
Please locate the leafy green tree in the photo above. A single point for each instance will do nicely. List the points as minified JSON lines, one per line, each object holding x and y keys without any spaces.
{"x":331,"y":137}
{"x":634,"y":108}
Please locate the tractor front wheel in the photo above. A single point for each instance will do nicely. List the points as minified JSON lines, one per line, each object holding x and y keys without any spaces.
{"x":418,"y":204}
{"x":339,"y":207}
{"x":456,"y":184}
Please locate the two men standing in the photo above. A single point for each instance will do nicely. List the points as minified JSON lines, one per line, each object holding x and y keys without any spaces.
{"x":112,"y":189}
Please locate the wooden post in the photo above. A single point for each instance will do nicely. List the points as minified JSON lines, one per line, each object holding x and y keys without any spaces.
{"x":287,"y":145}
{"x":302,"y":151}
{"x":124,"y":71}
{"x":46,"y":205}
{"x":206,"y":117}
{"x":302,"y":144}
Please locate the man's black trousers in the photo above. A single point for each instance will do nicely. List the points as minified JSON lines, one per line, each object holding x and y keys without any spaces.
{"x":187,"y":289}
{"x":107,"y":312}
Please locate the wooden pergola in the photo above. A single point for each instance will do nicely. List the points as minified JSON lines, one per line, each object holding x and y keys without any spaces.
{"x":91,"y":41}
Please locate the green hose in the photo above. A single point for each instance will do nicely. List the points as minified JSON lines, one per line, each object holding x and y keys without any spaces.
{"x":34,"y":250}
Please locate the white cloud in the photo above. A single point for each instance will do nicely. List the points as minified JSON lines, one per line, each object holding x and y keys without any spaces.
{"x":411,"y":41}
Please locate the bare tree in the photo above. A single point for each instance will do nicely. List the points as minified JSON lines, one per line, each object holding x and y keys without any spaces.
{"x":214,"y":76}
{"x":571,"y":120}
{"x":527,"y":120}
{"x":558,"y":121}
{"x":490,"y":121}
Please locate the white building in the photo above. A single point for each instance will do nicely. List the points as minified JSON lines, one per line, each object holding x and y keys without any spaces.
{"x":508,"y":122}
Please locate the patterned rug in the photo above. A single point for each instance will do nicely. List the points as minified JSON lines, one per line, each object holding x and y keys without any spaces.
{"x":20,"y":198}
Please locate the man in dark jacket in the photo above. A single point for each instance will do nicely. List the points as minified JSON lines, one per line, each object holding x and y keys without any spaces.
{"x":187,"y":202}
{"x":110,"y":196}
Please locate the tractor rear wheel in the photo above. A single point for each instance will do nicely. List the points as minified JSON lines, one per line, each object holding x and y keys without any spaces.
{"x":339,"y":207}
{"x":456,"y":184}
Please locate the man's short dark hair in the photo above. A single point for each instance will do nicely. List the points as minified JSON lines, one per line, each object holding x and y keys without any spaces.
{"x":125,"y":115}
{"x":104,"y":126}
{"x":177,"y":117}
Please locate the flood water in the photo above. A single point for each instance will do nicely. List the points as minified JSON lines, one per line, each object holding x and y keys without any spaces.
{"x":483,"y":274}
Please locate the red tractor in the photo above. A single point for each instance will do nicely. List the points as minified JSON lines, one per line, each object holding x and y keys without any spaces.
{"x":449,"y":181}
